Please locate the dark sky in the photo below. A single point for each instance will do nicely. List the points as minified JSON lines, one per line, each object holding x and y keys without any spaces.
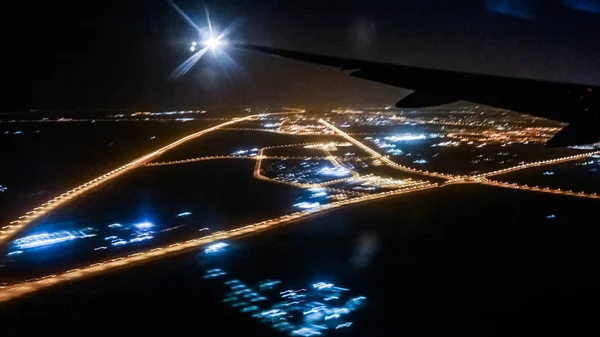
{"x":119,"y":54}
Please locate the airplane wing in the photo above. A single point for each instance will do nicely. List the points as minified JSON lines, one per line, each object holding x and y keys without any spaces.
{"x":576,"y":104}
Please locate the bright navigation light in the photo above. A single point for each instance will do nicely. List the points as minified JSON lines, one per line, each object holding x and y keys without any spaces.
{"x":213,"y":43}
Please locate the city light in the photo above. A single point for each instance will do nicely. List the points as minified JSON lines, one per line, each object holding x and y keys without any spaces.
{"x":301,"y":312}
{"x":143,"y":225}
{"x":46,"y":239}
{"x":216,"y":247}
{"x":405,"y":137}
{"x":307,"y":205}
{"x":25,"y":220}
{"x":319,"y":189}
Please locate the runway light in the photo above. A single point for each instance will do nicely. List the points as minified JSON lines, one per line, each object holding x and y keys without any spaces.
{"x":192,"y":48}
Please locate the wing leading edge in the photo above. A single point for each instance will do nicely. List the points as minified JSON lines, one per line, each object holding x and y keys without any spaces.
{"x":576,"y":104}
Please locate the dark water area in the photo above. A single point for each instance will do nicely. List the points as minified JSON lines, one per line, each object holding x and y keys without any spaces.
{"x":580,"y":176}
{"x":220,"y":195}
{"x":461,"y":260}
{"x":226,"y":142}
{"x":43,"y":160}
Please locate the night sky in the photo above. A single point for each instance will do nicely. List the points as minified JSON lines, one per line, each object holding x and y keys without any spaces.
{"x":119,"y":54}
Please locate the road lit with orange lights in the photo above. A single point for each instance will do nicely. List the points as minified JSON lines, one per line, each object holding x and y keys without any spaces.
{"x":540,"y":163}
{"x":23,"y":221}
{"x":382,"y":158}
{"x":347,"y":197}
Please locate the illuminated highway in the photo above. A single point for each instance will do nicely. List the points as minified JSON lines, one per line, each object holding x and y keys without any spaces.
{"x":539,"y":189}
{"x":382,"y":158}
{"x":539,"y":163}
{"x":479,"y":179}
{"x":258,"y":175}
{"x":192,"y":160}
{"x":13,"y":227}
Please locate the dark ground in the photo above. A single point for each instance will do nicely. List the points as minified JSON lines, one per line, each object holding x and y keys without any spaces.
{"x":461,"y":260}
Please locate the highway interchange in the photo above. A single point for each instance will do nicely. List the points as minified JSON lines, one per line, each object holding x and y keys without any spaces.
{"x":10,"y":291}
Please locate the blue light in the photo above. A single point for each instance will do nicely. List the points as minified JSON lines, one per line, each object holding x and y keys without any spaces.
{"x":318,"y":194}
{"x":216,"y":247}
{"x":16,"y":252}
{"x":332,"y":316}
{"x":100,"y":248}
{"x":184,"y":214}
{"x":405,"y":137}
{"x":420,"y":161}
{"x":314,"y":310}
{"x":250,"y":308}
{"x":143,"y":225}
{"x":268,"y":284}
{"x":141,"y":238}
{"x":110,"y":237}
{"x":548,"y":173}
{"x":322,"y":285}
{"x":115,"y":225}
{"x":18,"y":132}
{"x":344,"y":325}
{"x":307,"y":205}
{"x":3,"y":188}
{"x":45,"y":239}
{"x":119,"y":243}
{"x":334,"y":171}
{"x":551,"y":216}
{"x":306,"y":332}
